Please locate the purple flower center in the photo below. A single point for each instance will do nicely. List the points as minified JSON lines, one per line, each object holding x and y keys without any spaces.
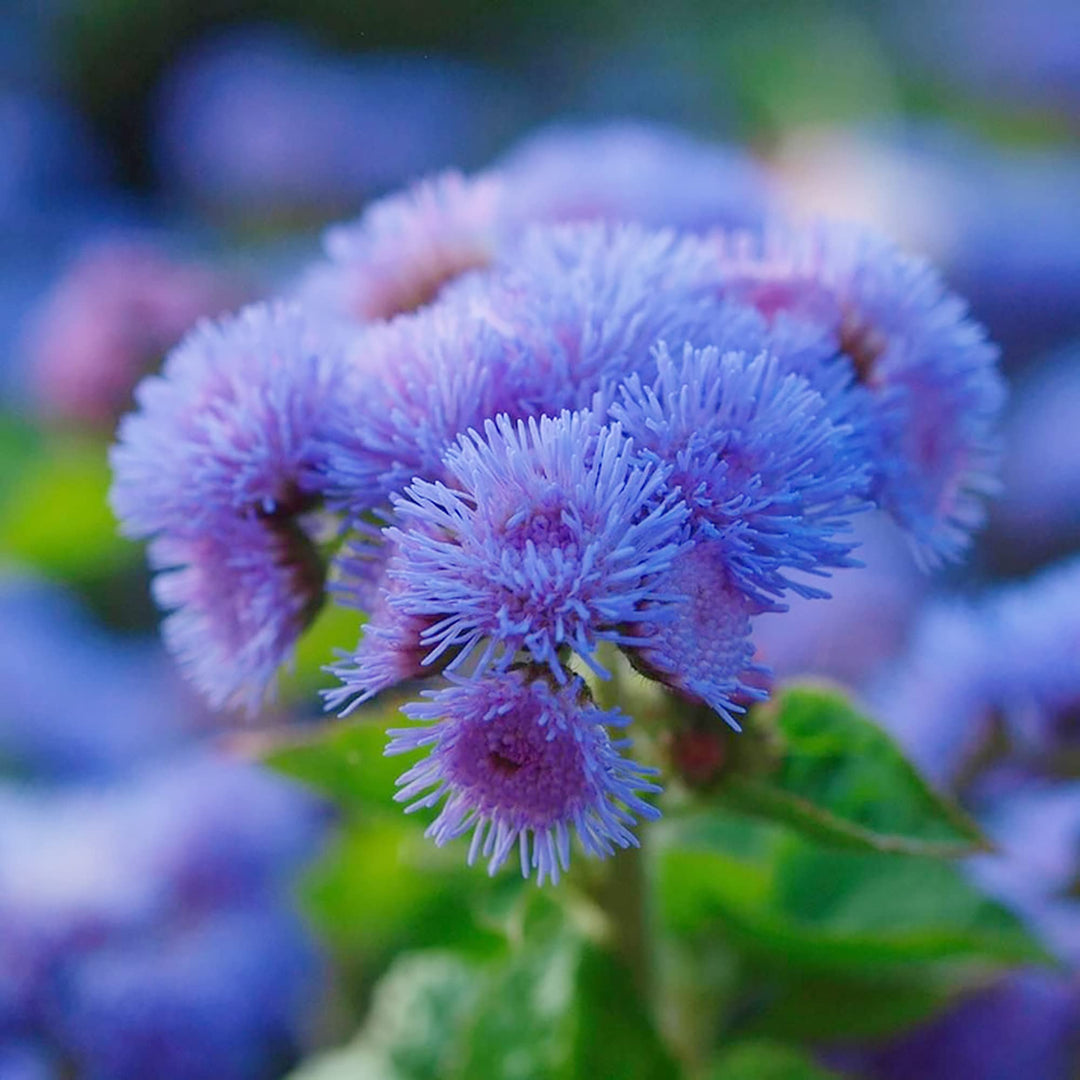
{"x":516,"y":765}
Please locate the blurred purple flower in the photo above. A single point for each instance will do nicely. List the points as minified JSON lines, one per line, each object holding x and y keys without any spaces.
{"x":931,"y":375}
{"x":116,"y":309}
{"x":219,"y":465}
{"x":1016,"y":54}
{"x":150,"y":915}
{"x":1037,"y":832}
{"x":1039,"y":508}
{"x":257,"y":121}
{"x":75,"y":702}
{"x":404,"y":248}
{"x":1024,"y":1026}
{"x":863,"y":625}
{"x":1000,"y":221}
{"x":630,"y":171}
{"x":522,"y":763}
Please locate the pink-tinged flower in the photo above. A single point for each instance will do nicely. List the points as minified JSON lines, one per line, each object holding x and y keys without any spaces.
{"x":117,"y":309}
{"x":522,"y":763}
{"x":406,"y":247}
{"x":935,"y":391}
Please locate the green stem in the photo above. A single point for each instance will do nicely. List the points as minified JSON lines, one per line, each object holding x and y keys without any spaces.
{"x":624,"y":898}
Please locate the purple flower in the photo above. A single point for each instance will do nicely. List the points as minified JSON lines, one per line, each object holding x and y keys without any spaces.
{"x":863,"y":625}
{"x":702,"y":649}
{"x":629,"y":171}
{"x":1024,"y":1025}
{"x":551,"y":536}
{"x":416,"y":383}
{"x":224,"y":999}
{"x":1006,"y":662}
{"x":148,"y":928}
{"x":78,"y":703}
{"x":117,"y":308}
{"x":258,"y":122}
{"x":240,"y":595}
{"x":522,"y":762}
{"x":582,"y":307}
{"x":1036,"y":830}
{"x":220,"y":464}
{"x":406,"y":247}
{"x":229,"y":426}
{"x":1039,"y":508}
{"x":763,"y":469}
{"x":930,"y":372}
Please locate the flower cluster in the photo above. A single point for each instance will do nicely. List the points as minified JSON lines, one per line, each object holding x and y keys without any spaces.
{"x":544,"y":440}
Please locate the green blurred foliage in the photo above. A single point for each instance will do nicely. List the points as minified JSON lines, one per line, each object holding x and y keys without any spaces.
{"x":815,"y":764}
{"x":765,"y":1061}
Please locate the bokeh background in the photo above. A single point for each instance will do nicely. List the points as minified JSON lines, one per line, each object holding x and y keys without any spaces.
{"x":172,"y":907}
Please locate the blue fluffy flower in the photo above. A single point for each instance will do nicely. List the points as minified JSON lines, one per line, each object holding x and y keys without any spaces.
{"x":931,"y":374}
{"x":581,"y":307}
{"x":220,"y":465}
{"x":240,"y":595}
{"x":415,"y":384}
{"x":751,"y":448}
{"x":522,"y":763}
{"x":550,"y":537}
{"x":406,"y":247}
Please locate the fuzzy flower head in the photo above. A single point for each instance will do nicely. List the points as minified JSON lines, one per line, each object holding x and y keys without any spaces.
{"x":219,"y":466}
{"x":763,"y":469}
{"x":406,"y":247}
{"x":522,"y":763}
{"x":229,"y":426}
{"x":929,"y":369}
{"x":548,"y":535}
{"x":585,"y":304}
{"x":703,"y":650}
{"x":110,"y":318}
{"x":240,"y":596}
{"x":626,"y":171}
{"x":415,"y":385}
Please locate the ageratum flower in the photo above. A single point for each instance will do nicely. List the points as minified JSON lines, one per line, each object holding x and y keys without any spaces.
{"x":240,"y":595}
{"x":582,"y":307}
{"x":633,"y":172}
{"x":406,"y":247}
{"x":550,"y":537}
{"x":219,"y":465}
{"x":229,"y":426}
{"x":522,"y":763}
{"x":416,"y":383}
{"x":703,"y":649}
{"x":763,"y":469}
{"x":929,"y":370}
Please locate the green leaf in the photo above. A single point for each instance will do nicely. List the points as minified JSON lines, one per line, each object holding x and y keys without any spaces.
{"x":766,"y":1061}
{"x":837,"y":777}
{"x":808,"y":1006}
{"x":413,"y":1030}
{"x":56,"y":515}
{"x":344,"y":760}
{"x":559,"y":1007}
{"x":778,"y":896}
{"x":334,"y":628}
{"x":563,"y":1007}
